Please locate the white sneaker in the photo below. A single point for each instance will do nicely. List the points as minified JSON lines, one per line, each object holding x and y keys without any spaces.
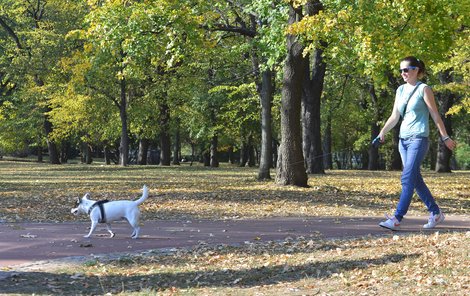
{"x":434,"y":220}
{"x":391,"y":223}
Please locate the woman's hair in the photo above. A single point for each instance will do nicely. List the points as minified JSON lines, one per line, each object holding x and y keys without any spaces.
{"x":415,"y":62}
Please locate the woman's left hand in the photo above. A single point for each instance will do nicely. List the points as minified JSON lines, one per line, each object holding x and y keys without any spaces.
{"x":451,"y":144}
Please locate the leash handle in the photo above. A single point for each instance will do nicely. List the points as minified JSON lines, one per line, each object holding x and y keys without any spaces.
{"x":376,"y":142}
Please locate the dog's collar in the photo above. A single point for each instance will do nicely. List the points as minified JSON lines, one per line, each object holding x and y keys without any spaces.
{"x":100,"y":205}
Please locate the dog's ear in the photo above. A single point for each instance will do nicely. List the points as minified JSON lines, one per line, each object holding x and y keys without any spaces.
{"x":79,"y":200}
{"x":86,"y":196}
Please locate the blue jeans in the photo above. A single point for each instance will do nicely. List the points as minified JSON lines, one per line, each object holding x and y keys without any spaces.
{"x":412,"y":152}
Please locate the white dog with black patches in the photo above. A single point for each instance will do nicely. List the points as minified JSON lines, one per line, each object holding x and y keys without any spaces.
{"x":105,"y":211}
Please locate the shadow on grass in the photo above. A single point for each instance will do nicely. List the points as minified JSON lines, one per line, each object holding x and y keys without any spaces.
{"x":66,"y":284}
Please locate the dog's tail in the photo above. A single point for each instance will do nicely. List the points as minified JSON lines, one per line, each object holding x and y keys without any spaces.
{"x":145,"y":194}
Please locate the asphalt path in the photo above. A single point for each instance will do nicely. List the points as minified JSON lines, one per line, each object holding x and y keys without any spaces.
{"x":22,"y":243}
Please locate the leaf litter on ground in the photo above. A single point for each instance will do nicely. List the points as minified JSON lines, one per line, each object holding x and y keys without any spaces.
{"x":412,"y":264}
{"x":44,"y":193}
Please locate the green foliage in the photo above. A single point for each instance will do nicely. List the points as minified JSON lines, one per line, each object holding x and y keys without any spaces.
{"x":20,"y":125}
{"x":240,"y":117}
{"x":73,"y":59}
{"x":139,"y":43}
{"x":31,"y":64}
{"x":270,"y":40}
{"x":365,"y":40}
{"x":372,"y":36}
{"x":462,"y":154}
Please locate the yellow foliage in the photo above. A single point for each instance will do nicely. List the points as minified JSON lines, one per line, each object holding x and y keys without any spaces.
{"x":296,"y":3}
{"x":87,"y":47}
{"x":464,"y":106}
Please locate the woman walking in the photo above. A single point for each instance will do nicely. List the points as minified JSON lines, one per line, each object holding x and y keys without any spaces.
{"x":414,"y":102}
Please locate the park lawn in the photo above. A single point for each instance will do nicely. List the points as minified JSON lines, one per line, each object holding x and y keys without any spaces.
{"x":45,"y":193}
{"x":399,"y":264}
{"x":417,"y":264}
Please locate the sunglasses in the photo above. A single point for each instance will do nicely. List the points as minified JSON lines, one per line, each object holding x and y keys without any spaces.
{"x":407,"y":69}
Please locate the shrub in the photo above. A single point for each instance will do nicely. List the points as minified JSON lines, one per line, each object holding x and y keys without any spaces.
{"x":462,"y":154}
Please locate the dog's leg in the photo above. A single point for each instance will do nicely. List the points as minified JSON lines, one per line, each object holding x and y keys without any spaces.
{"x":135,"y":234}
{"x":94,"y":223}
{"x":134,"y":222}
{"x":108,"y":225}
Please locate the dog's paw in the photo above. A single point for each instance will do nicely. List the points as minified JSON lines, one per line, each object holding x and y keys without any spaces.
{"x":112,"y":234}
{"x":86,"y":236}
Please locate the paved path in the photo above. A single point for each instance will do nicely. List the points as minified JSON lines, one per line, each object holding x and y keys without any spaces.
{"x":28,"y":242}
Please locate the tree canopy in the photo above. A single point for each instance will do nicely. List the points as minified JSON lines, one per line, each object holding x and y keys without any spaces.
{"x":114,"y":73}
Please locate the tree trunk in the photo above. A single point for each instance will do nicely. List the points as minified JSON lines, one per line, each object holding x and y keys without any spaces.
{"x":165,"y":141}
{"x":143,"y":151}
{"x":39,"y":155}
{"x":290,"y":168}
{"x":396,"y":163}
{"x":206,"y":157}
{"x":251,"y":155}
{"x":275,"y":149}
{"x":177,"y":148}
{"x":124,"y":144}
{"x":446,"y":100}
{"x":64,"y":152}
{"x":51,"y":146}
{"x":266,"y":98}
{"x":365,"y":159}
{"x":443,"y":158}
{"x":82,"y":153}
{"x":85,"y":151}
{"x":311,"y":120}
{"x":432,"y":153}
{"x":107,"y":155}
{"x":231,"y":158}
{"x":88,"y":154}
{"x":374,"y":131}
{"x":243,"y":154}
{"x":373,"y":163}
{"x":214,"y":160}
{"x":328,"y":159}
{"x":311,"y":102}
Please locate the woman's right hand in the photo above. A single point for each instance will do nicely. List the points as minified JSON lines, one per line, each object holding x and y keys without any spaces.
{"x":381,"y":136}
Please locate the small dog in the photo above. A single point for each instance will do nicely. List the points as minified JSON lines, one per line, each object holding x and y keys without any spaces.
{"x":105,"y":211}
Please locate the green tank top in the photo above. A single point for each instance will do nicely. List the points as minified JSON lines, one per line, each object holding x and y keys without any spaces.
{"x":416,"y":118}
